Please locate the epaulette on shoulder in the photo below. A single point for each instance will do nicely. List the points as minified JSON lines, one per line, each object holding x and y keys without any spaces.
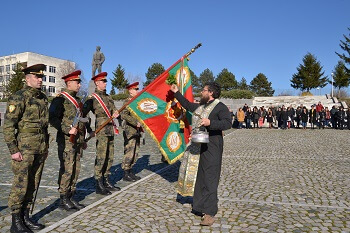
{"x":58,"y":95}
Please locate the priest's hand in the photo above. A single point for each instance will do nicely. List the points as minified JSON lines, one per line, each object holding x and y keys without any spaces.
{"x":205,"y":122}
{"x":174,"y":88}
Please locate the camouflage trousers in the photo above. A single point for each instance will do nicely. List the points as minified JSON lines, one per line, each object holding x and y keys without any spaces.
{"x":25,"y":180}
{"x":104,"y":156}
{"x":69,"y":155}
{"x":131,"y":151}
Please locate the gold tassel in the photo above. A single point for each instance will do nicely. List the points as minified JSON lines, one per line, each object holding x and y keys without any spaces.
{"x":182,"y":124}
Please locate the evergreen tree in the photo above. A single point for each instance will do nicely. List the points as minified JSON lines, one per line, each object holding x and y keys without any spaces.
{"x":226,"y":80}
{"x":309,"y":75}
{"x":153,"y":72}
{"x":345,"y":45}
{"x":195,"y":82}
{"x":118,"y":81}
{"x":261,"y":86}
{"x":206,"y":76}
{"x":112,"y":91}
{"x":17,"y":80}
{"x":243,"y":84}
{"x":341,"y":77}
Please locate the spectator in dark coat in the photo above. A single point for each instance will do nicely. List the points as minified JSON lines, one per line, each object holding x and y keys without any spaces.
{"x":304,"y":117}
{"x":284,"y":118}
{"x":321,"y":118}
{"x":312,"y":117}
{"x":340,"y":118}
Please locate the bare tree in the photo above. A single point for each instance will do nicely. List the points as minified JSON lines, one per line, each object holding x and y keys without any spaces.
{"x":134,"y":78}
{"x":63,"y":69}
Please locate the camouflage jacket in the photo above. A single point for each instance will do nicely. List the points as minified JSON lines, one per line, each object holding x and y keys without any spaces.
{"x":95,"y":107}
{"x":62,"y":114}
{"x":129,"y":122}
{"x":27,"y":112}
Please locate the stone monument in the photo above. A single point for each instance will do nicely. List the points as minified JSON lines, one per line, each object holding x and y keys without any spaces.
{"x":97,"y":61}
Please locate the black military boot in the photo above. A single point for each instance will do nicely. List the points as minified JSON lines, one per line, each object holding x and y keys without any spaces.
{"x":127,"y":176}
{"x":100,"y":188}
{"x":65,"y":203}
{"x":132,"y":174}
{"x":108,"y":185}
{"x":18,"y":224}
{"x":29,"y":223}
{"x":76,"y":204}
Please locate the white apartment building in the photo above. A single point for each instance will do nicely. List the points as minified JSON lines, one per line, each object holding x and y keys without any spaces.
{"x":55,"y":69}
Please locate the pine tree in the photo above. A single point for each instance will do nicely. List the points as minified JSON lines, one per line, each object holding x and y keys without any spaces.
{"x":227,"y":80}
{"x":17,"y":80}
{"x":112,"y":91}
{"x":242,"y":85}
{"x":206,"y":76}
{"x":345,"y":45}
{"x":153,"y":72}
{"x":341,"y":77}
{"x":195,"y":82}
{"x":309,"y":75}
{"x":261,"y":86}
{"x":118,"y":81}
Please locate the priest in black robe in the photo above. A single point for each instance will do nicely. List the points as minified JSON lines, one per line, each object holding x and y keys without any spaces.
{"x":205,"y":198}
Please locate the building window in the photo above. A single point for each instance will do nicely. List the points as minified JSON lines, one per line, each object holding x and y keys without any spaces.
{"x":51,"y":89}
{"x":1,"y":69}
{"x":7,"y":68}
{"x":44,"y":78}
{"x":45,"y":68}
{"x":43,"y":88}
{"x":52,"y":69}
{"x":52,"y":79}
{"x":1,"y":79}
{"x":7,"y":78}
{"x":13,"y":66}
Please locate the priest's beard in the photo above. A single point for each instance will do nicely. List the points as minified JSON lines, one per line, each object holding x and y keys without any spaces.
{"x":204,"y":100}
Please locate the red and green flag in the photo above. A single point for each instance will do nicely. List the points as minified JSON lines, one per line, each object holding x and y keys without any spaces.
{"x":162,"y":115}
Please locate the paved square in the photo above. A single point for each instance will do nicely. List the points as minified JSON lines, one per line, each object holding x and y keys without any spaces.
{"x":272,"y":181}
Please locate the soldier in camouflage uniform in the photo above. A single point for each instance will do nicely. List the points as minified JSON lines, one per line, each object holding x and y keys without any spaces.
{"x":132,"y":134}
{"x":27,"y":112}
{"x":70,"y":139}
{"x":105,"y":138}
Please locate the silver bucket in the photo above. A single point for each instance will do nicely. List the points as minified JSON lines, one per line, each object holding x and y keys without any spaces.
{"x":200,"y":137}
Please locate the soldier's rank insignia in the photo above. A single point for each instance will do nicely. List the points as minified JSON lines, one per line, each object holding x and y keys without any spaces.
{"x":12,"y":108}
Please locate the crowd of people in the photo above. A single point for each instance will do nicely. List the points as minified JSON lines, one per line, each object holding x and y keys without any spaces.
{"x":283,"y":117}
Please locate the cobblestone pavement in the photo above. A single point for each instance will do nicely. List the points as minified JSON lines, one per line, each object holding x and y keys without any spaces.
{"x":272,"y":181}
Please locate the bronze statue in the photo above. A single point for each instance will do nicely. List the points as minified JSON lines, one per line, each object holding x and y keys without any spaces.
{"x":97,"y":61}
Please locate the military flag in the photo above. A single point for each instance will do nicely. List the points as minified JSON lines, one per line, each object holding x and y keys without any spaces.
{"x":161,"y":114}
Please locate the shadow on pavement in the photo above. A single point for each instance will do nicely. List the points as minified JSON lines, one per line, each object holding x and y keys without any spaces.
{"x":87,"y":186}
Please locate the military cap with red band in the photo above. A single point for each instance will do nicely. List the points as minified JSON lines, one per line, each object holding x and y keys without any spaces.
{"x":135,"y":84}
{"x":72,"y":76}
{"x":100,"y":76}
